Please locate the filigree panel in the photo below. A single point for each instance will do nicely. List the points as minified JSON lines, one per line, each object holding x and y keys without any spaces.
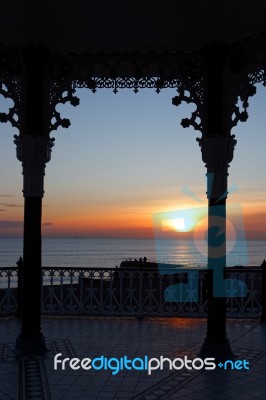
{"x":127,"y":71}
{"x":247,"y":67}
{"x":10,"y":86}
{"x":133,"y":83}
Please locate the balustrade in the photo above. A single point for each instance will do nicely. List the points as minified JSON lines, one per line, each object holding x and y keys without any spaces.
{"x":134,"y":292}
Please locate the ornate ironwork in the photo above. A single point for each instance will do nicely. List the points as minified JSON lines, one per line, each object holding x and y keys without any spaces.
{"x":239,"y":102}
{"x":245,"y":304}
{"x":141,"y":292}
{"x":191,"y":90}
{"x":118,"y":292}
{"x":128,"y":71}
{"x":132,"y":292}
{"x":61,"y":92}
{"x":134,"y":83}
{"x":10,"y":86}
{"x":217,"y":153}
{"x":8,"y":290}
{"x":247,"y":65}
{"x":258,"y":76}
{"x":184,"y":72}
{"x":34,"y":152}
{"x":195,"y":96}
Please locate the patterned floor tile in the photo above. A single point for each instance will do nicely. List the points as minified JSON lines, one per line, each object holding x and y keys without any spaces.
{"x":33,"y":383}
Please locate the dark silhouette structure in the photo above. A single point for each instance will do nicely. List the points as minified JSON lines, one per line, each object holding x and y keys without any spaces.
{"x":211,"y":52}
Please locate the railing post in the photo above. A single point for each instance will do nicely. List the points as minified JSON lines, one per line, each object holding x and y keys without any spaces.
{"x":140,"y":275}
{"x":263,"y":291}
{"x":19,"y":289}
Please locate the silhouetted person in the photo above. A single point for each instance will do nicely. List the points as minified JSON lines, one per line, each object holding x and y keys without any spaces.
{"x":20,"y":262}
{"x":19,"y":292}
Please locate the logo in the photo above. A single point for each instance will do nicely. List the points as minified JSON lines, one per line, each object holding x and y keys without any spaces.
{"x":145,"y":363}
{"x":213,"y":239}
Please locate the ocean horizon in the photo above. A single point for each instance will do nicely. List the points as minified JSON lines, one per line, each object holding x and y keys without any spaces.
{"x":82,"y":252}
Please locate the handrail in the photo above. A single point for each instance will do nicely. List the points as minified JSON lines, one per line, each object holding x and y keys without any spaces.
{"x":135,"y":292}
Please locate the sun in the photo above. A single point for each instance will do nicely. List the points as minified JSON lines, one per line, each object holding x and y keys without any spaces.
{"x":178,"y":224}
{"x":184,"y":220}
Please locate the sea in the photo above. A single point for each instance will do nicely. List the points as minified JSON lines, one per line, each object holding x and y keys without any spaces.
{"x":81,"y":252}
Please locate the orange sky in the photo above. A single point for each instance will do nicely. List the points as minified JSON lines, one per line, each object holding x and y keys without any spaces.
{"x":138,"y":222}
{"x":113,"y":169}
{"x":128,"y":220}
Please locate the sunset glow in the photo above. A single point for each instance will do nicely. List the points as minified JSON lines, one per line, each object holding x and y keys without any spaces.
{"x":183,"y":223}
{"x":178,"y":224}
{"x":124,"y":174}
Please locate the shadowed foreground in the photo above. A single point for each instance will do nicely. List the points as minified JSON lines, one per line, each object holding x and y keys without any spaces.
{"x":83,"y":337}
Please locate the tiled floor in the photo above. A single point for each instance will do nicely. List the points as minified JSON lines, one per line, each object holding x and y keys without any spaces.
{"x":35,"y":378}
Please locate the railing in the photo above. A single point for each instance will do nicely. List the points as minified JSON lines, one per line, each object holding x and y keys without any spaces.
{"x":135,"y":292}
{"x":8,"y":291}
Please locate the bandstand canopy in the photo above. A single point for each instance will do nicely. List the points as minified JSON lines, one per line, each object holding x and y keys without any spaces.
{"x":50,"y":48}
{"x":135,"y":25}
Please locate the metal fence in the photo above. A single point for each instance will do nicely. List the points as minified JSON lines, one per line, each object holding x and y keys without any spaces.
{"x":134,"y":292}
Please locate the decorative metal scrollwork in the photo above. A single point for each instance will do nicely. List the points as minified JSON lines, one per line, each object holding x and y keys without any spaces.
{"x":258,"y":76}
{"x":10,"y":87}
{"x":248,"y":67}
{"x":129,"y":292}
{"x":194,"y":96}
{"x":190,"y":89}
{"x":239,"y":113}
{"x":185,"y":74}
{"x":61,"y":92}
{"x":134,"y":83}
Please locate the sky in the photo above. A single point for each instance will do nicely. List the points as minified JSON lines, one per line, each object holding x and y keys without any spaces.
{"x":126,"y":161}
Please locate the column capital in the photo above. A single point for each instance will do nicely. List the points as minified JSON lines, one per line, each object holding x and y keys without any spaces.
{"x":217,"y":153}
{"x":34,"y":152}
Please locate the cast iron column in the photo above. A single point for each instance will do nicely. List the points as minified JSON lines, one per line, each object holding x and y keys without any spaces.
{"x":34,"y":151}
{"x":217,"y":146}
{"x":217,"y":153}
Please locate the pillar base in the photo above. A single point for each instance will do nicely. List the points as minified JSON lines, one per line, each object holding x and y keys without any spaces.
{"x":219,"y":351}
{"x":30,"y":346}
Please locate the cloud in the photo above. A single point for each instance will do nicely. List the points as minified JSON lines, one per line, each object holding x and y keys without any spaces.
{"x":10,"y":224}
{"x":47,"y":223}
{"x":10,"y":205}
{"x":2,"y":209}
